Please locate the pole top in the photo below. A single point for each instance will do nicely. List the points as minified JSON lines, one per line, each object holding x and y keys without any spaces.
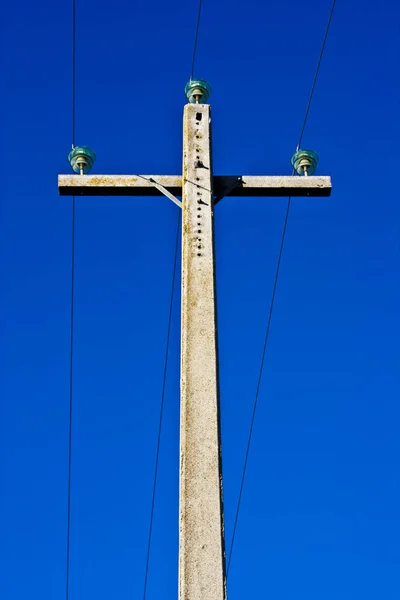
{"x":197,"y":91}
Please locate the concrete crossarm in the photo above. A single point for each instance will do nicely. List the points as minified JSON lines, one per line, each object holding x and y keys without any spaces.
{"x":134,"y":185}
{"x":118,"y":185}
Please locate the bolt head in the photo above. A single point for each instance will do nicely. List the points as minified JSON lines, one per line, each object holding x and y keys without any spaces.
{"x":304,"y":160}
{"x":81,"y":157}
{"x":197,"y":90}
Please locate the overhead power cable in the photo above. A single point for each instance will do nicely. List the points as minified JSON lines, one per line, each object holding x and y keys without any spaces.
{"x":73,"y":70}
{"x":71,"y":343}
{"x":71,"y":337}
{"x":160,"y":421}
{"x":271,"y":307}
{"x":167,"y":349}
{"x":196,"y":37}
{"x":328,"y":25}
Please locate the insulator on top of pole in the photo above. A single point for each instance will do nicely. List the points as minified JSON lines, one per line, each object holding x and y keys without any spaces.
{"x":197,"y":91}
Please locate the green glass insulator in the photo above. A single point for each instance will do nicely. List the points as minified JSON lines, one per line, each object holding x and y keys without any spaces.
{"x":305,"y":162}
{"x":197,"y":91}
{"x":81,"y":159}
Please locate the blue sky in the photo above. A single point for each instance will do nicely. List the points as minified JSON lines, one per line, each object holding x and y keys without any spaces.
{"x":319,"y":516}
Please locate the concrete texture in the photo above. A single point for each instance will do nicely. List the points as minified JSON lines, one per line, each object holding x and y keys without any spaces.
{"x":118,"y":185}
{"x":224,"y":185}
{"x":201,"y":560}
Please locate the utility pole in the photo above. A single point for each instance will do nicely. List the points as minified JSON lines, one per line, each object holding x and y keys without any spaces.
{"x":201,"y":539}
{"x":201,"y":556}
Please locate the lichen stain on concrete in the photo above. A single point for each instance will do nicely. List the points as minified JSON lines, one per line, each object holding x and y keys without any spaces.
{"x":201,"y":573}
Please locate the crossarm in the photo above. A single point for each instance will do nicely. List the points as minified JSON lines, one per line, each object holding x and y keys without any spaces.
{"x":118,"y":185}
{"x":250,"y":185}
{"x":135,"y":185}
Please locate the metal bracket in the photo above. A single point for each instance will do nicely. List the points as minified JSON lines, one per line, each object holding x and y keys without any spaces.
{"x":230,"y":184}
{"x":164,"y":191}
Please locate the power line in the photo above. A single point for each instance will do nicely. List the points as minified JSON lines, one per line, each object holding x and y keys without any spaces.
{"x":328,"y":25}
{"x":161,"y":406}
{"x":73,"y":69}
{"x":71,"y":340}
{"x":196,"y":38}
{"x":70,"y":398}
{"x":271,"y":307}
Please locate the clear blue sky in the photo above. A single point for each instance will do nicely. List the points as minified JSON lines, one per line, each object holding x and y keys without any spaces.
{"x":320,"y":512}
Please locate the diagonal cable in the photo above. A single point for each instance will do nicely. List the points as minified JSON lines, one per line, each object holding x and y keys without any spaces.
{"x":271,"y":307}
{"x":321,"y":54}
{"x":196,"y":37}
{"x":70,"y":400}
{"x":153,"y":499}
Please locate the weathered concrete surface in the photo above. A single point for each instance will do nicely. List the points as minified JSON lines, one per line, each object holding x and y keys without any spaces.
{"x":201,"y":556}
{"x":273,"y":185}
{"x":140,"y":185}
{"x":118,"y":185}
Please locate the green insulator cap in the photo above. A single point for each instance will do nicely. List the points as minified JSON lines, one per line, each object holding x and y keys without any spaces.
{"x":81,"y":159}
{"x":197,"y":91}
{"x":305,"y":162}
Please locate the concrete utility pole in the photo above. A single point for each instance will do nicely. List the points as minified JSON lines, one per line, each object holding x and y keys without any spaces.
{"x":201,"y":541}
